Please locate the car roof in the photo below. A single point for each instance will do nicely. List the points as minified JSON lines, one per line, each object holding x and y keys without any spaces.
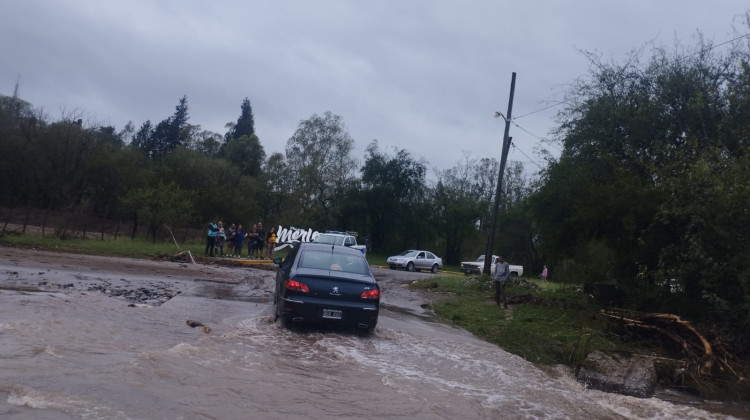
{"x":335,"y":248}
{"x":336,"y":232}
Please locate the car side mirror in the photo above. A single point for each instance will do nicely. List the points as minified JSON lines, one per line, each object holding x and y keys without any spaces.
{"x":277,"y":260}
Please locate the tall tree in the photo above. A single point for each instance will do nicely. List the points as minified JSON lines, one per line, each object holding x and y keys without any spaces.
{"x":168,"y":134}
{"x":159,"y":204}
{"x":394,"y":188}
{"x":245,"y":125}
{"x":20,"y":132}
{"x":246,"y":154}
{"x":142,"y":138}
{"x":653,"y":153}
{"x":320,"y":166}
{"x":463,"y":199}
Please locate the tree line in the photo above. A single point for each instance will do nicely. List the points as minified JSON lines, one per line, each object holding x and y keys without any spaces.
{"x":650,"y":192}
{"x":175,"y":174}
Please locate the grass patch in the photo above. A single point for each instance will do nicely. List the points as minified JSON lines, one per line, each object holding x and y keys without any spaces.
{"x":123,"y":247}
{"x":553,"y":324}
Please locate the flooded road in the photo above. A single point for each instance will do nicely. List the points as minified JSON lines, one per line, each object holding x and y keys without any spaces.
{"x":70,"y":350}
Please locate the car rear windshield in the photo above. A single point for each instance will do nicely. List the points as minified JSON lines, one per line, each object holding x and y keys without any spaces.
{"x":330,"y":239}
{"x":326,"y":260}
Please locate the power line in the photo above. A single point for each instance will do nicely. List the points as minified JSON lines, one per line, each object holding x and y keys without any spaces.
{"x":529,"y":132}
{"x":527,"y":156}
{"x":718,"y":45}
{"x":563,"y":102}
{"x":537,"y":137}
{"x":539,"y":110}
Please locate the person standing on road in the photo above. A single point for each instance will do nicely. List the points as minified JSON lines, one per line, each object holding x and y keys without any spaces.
{"x":259,"y":241}
{"x":221,"y":238}
{"x":230,"y":239}
{"x":271,"y":241}
{"x":239,"y":239}
{"x":252,"y":241}
{"x":213,"y":229}
{"x":502,"y":272}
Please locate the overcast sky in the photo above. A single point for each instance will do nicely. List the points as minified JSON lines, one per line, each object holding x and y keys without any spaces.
{"x":423,"y":75}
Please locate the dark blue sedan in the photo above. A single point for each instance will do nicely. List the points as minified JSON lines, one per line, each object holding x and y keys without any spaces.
{"x":326,"y":284}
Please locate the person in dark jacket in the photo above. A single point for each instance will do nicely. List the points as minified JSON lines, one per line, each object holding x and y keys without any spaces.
{"x":260,"y":241}
{"x":230,"y":239}
{"x":252,"y":241}
{"x":239,"y":239}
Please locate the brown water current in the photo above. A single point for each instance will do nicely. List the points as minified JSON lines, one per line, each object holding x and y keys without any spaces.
{"x":69,"y":349}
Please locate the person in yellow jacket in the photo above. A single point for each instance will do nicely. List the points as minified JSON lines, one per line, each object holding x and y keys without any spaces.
{"x":271,"y":242}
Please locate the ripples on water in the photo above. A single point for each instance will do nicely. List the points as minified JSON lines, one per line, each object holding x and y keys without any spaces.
{"x":85,"y":356}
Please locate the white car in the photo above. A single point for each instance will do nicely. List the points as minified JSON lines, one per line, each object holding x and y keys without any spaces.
{"x":476,"y":267}
{"x":415,"y":260}
{"x":341,"y":239}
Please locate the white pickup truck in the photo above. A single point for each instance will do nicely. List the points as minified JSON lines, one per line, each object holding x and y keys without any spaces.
{"x":476,"y":267}
{"x":340,"y":238}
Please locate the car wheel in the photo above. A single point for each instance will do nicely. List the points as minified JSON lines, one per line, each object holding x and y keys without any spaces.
{"x":435,"y":269}
{"x":410,"y":266}
{"x":276,"y":307}
{"x":364,"y":332}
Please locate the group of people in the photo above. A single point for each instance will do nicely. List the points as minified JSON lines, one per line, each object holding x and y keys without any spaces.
{"x":260,"y":245}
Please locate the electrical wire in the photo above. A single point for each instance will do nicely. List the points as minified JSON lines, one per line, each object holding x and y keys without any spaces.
{"x":562,"y":102}
{"x":718,"y":45}
{"x":538,"y":110}
{"x":527,"y":156}
{"x":537,"y":137}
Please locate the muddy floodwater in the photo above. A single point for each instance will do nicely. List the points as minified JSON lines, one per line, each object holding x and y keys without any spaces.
{"x":105,"y":338}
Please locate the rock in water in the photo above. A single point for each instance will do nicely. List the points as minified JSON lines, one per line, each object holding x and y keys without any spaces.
{"x":628,"y":375}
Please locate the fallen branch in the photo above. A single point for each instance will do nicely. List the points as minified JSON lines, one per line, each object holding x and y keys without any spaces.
{"x":178,"y":246}
{"x":638,"y":321}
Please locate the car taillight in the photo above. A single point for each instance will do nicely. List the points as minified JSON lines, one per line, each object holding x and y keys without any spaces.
{"x":296,"y":286}
{"x":370,"y":294}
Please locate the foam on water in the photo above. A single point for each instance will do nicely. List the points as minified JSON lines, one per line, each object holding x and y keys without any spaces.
{"x":26,"y":397}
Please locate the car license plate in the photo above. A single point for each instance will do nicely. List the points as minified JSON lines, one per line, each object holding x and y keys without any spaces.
{"x":332,"y":313}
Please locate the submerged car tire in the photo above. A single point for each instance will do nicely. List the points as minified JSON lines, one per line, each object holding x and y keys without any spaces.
{"x":276,"y":307}
{"x":410,"y":266}
{"x":364,"y":332}
{"x":435,"y":268}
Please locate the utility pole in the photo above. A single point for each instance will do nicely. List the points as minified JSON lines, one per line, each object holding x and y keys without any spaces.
{"x":503,"y":159}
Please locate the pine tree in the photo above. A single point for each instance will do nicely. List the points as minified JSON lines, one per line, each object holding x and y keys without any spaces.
{"x":166,"y":136}
{"x":245,"y":123}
